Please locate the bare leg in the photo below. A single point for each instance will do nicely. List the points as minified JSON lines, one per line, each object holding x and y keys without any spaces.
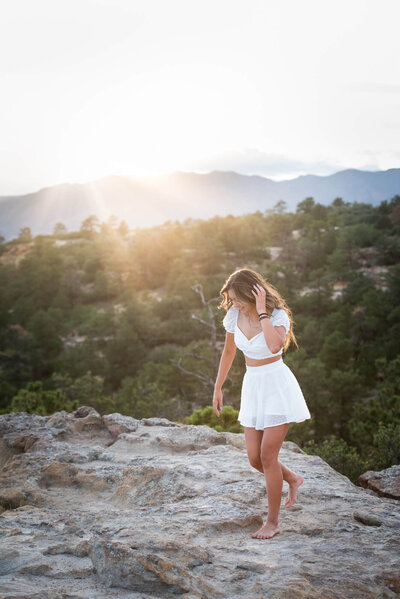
{"x":288,"y":475}
{"x":254,"y":439}
{"x":272,"y":440}
{"x":294,"y":484}
{"x":294,"y":481}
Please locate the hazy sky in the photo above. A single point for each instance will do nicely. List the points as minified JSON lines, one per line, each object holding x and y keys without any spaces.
{"x":277,"y":88}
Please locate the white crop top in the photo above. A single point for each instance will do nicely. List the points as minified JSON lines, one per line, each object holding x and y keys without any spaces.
{"x":256,"y":347}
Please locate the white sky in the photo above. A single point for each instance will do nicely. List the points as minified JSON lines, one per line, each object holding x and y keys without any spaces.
{"x":278,"y":88}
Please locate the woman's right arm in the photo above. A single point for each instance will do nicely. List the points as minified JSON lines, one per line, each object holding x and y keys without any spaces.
{"x":225,"y":363}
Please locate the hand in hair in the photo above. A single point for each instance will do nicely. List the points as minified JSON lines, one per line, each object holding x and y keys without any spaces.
{"x":259,"y":293}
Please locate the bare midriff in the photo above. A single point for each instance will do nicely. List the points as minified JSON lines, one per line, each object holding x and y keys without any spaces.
{"x":254,"y":362}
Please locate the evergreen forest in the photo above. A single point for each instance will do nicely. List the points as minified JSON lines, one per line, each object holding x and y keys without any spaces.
{"x":129,"y":321}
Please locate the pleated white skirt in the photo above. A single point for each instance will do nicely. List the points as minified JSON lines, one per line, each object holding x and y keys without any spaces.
{"x":271,"y":396}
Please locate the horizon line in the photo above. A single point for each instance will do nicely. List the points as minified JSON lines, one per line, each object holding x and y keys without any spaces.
{"x":192,"y":172}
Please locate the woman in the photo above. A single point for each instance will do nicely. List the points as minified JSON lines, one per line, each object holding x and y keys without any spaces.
{"x":258,"y":322}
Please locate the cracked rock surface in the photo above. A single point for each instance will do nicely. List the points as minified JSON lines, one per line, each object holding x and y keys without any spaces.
{"x":110,"y":507}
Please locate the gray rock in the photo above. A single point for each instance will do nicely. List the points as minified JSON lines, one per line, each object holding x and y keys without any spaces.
{"x":385,"y":483}
{"x":117,"y":424}
{"x":158,"y":422}
{"x":113,"y":507}
{"x":367,"y":518}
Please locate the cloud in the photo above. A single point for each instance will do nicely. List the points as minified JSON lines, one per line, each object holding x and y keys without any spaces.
{"x":256,"y":162}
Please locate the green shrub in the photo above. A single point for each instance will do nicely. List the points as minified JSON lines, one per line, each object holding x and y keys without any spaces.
{"x":35,"y":400}
{"x":338,"y":454}
{"x":386,"y":447}
{"x":226,"y":422}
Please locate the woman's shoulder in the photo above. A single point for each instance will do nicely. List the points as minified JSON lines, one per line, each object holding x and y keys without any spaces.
{"x":280,"y":317}
{"x":277,"y":311}
{"x":229,"y":320}
{"x":231,"y":313}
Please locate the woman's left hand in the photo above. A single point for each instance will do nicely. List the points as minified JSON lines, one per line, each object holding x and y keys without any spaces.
{"x":259,"y":293}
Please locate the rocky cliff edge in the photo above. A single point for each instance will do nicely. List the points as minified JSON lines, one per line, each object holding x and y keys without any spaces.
{"x":110,"y":507}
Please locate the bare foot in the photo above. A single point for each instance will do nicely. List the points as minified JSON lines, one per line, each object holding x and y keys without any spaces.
{"x":292,"y":494}
{"x":266,"y":532}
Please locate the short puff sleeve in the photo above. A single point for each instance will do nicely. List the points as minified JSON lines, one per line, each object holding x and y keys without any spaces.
{"x":230,"y":320}
{"x":281,"y":318}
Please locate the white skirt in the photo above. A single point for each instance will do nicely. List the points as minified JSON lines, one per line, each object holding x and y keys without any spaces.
{"x":271,"y":396}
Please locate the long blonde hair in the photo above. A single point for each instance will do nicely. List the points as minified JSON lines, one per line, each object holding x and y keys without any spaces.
{"x":241,"y":282}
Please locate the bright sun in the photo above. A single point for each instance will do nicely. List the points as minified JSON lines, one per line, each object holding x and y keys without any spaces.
{"x":158,"y":123}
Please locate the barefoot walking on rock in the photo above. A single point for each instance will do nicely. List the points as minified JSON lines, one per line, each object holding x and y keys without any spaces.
{"x":258,"y":322}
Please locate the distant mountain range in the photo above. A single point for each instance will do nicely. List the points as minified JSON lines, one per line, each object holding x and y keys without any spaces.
{"x":148,"y":202}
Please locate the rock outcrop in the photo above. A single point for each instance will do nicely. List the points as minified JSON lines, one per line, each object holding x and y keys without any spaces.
{"x":385,"y":482}
{"x":116,"y":508}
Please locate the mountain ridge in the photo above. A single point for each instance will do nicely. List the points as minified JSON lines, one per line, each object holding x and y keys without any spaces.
{"x":144,"y":202}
